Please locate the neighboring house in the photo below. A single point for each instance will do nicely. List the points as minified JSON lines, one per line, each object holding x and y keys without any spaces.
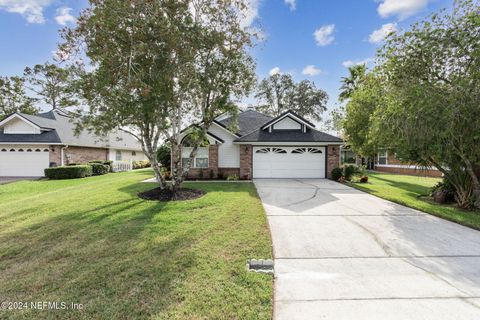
{"x":287,"y":146}
{"x":31,"y":143}
{"x":386,"y":161}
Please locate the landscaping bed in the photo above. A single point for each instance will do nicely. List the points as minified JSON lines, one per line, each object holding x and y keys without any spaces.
{"x":159,"y":194}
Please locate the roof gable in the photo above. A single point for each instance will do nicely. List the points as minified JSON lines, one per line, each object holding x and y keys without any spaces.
{"x":292,"y":115}
{"x":18,"y":117}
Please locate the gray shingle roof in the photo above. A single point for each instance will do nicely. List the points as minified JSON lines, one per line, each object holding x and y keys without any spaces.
{"x":62,"y":130}
{"x":250,"y":123}
{"x":45,"y":137}
{"x":288,"y":136}
{"x":247,"y":121}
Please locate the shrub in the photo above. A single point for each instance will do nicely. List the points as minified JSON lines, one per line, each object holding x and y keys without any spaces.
{"x":337,"y":173}
{"x":69,"y":172}
{"x":364,"y":179}
{"x":140,"y":164}
{"x":164,"y":156}
{"x":97,"y":161}
{"x":232,"y":177}
{"x":99,"y":169}
{"x":349,"y":171}
{"x":443,"y":192}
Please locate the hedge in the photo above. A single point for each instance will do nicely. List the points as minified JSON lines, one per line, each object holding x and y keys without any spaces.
{"x":140,"y":164}
{"x":70,"y":172}
{"x":99,"y":169}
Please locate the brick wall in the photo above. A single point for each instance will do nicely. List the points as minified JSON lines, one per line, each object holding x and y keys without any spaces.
{"x":333,"y":159}
{"x":410,"y":171}
{"x":246,"y":161}
{"x":83,"y":155}
{"x":55,"y":155}
{"x":213,"y":159}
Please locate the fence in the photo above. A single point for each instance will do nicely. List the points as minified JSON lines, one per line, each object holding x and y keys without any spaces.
{"x":119,"y":166}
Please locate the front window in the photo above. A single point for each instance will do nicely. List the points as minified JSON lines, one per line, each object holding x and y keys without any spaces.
{"x":383,"y":157}
{"x":200,"y":160}
{"x":118,"y":155}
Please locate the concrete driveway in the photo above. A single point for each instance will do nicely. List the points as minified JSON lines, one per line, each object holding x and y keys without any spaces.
{"x":343,"y":254}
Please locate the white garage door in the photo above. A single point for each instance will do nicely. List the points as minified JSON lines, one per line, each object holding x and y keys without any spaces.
{"x":23,"y":162}
{"x":289,"y":162}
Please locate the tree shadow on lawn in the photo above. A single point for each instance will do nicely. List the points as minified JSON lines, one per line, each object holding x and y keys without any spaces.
{"x":413,"y":189}
{"x":119,"y":263}
{"x":128,"y":258}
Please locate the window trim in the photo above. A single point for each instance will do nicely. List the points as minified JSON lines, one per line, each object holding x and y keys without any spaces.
{"x":385,"y":152}
{"x":117,"y":153}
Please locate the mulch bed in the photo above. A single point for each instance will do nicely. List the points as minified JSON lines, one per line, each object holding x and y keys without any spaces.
{"x":158,"y":194}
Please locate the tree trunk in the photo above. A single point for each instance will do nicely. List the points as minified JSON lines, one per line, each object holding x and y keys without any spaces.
{"x":462,"y":191}
{"x":475,"y":182}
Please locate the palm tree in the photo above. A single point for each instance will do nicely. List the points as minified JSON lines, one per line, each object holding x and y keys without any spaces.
{"x":350,"y":83}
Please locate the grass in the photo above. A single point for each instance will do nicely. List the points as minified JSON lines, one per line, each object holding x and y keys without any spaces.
{"x":408,"y":190}
{"x":93,"y":241}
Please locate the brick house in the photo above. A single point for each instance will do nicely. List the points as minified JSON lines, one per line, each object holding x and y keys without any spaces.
{"x":386,"y":161}
{"x":260,"y":146}
{"x":31,"y":143}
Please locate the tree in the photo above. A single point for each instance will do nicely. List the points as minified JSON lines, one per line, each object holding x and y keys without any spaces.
{"x":13,"y":97}
{"x":280,"y":93}
{"x":159,"y":65}
{"x":52,"y":84}
{"x":430,"y":113}
{"x":363,"y":102}
{"x":350,"y":83}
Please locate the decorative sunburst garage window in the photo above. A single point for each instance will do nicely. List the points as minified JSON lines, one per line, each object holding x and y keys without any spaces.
{"x":271,"y":150}
{"x":306,"y":150}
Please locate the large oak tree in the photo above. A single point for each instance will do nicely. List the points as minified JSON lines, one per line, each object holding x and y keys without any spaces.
{"x":159,"y":65}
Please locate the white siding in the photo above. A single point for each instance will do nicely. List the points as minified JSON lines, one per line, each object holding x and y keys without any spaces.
{"x":126,"y":155}
{"x":287,"y":123}
{"x":228,"y":153}
{"x":18,"y":126}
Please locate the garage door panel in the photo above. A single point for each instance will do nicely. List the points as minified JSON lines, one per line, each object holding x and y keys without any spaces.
{"x":269,"y":162}
{"x":16,"y":163}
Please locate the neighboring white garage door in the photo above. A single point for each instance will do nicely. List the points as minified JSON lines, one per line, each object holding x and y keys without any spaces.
{"x":289,"y":162}
{"x":23,"y":162}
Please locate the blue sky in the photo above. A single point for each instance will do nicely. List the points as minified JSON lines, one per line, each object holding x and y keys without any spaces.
{"x":325,"y":36}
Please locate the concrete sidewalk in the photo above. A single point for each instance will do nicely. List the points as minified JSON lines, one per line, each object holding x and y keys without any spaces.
{"x":344,"y":254}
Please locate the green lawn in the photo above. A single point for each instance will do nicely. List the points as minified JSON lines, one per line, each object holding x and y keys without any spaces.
{"x":407,"y":190}
{"x":93,"y":241}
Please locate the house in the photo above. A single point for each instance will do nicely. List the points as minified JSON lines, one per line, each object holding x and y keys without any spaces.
{"x":386,"y":161}
{"x":287,"y":146}
{"x":31,"y":143}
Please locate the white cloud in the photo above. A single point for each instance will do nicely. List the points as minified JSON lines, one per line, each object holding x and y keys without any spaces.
{"x":63,"y":16}
{"x":324,"y":35}
{"x":400,"y":8}
{"x":380,"y":34}
{"x":250,"y":14}
{"x":311,"y":70}
{"x":350,"y":63}
{"x":275,"y":70}
{"x":291,"y":3}
{"x":32,"y":10}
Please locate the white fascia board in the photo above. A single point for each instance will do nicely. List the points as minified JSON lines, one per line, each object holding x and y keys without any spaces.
{"x":292,"y":116}
{"x":17,"y":116}
{"x":226,"y":130}
{"x":279,"y":143}
{"x":187,"y":131}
